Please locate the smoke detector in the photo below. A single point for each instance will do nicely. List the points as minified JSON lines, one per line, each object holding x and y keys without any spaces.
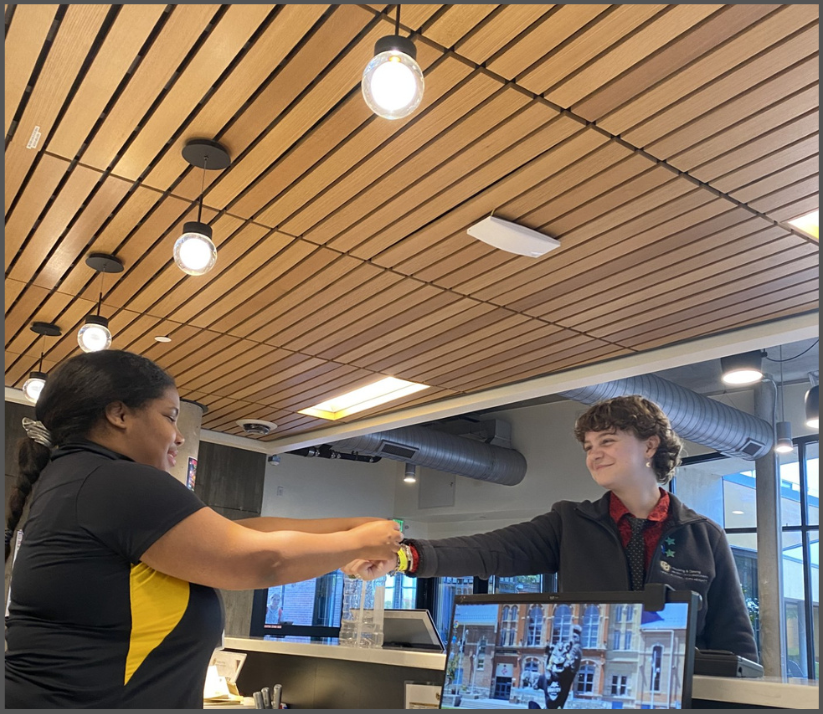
{"x":512,"y":237}
{"x":256,"y":427}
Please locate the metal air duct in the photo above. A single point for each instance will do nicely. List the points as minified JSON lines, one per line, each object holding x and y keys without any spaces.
{"x":433,"y":449}
{"x":693,"y":416}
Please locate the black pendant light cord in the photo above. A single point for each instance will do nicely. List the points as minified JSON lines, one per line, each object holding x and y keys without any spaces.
{"x":42,"y":351}
{"x":789,"y":359}
{"x":782,"y":388}
{"x":397,"y":21}
{"x":100,"y":299}
{"x":202,"y":190}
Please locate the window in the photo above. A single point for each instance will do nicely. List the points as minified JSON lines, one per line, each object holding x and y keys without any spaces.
{"x":401,"y":593}
{"x":535,"y":626}
{"x":620,"y":685}
{"x":309,"y":608}
{"x":562,"y":628}
{"x":629,"y":613}
{"x":616,"y":640}
{"x":585,"y":679}
{"x":724,"y":490}
{"x":657,"y":665}
{"x":516,"y":584}
{"x":508,"y":626}
{"x":531,"y":671}
{"x":627,"y":640}
{"x":618,"y":613}
{"x":447,"y":589}
{"x":481,"y":654}
{"x":591,"y":626}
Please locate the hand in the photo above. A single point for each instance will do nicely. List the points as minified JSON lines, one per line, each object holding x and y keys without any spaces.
{"x":378,"y":540}
{"x":369,"y":569}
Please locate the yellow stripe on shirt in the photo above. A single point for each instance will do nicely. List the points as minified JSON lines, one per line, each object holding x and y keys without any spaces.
{"x":158,"y":602}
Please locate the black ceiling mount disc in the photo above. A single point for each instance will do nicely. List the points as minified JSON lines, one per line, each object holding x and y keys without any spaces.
{"x":46,"y":328}
{"x":104,"y":263}
{"x":206,"y":154}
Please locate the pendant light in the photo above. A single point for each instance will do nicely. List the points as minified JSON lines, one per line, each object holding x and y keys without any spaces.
{"x":393,"y":81}
{"x":194,"y":251}
{"x":37,"y":379}
{"x":741,"y":369}
{"x":812,"y":406}
{"x":783,"y":428}
{"x":95,"y":335}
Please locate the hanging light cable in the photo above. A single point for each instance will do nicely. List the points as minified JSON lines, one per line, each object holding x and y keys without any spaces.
{"x":37,"y":379}
{"x":393,"y":82}
{"x":194,"y":251}
{"x":95,"y":334}
{"x":783,"y":428}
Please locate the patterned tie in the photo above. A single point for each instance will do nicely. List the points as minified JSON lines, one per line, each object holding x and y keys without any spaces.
{"x":636,"y":552}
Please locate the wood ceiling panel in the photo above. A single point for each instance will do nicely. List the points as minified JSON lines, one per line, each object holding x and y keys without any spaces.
{"x":207,"y":371}
{"x":72,"y":245}
{"x":708,"y":295}
{"x":795,"y":209}
{"x":24,"y":42}
{"x":404,"y":292}
{"x":606,"y":264}
{"x":242,"y":300}
{"x":361,"y":158}
{"x":711,"y":34}
{"x":226,"y":381}
{"x":772,"y":93}
{"x":767,"y":165}
{"x":13,"y":289}
{"x":541,"y":38}
{"x":677,"y":21}
{"x":773,"y":182}
{"x":801,"y":103}
{"x":72,"y":196}
{"x":73,"y":40}
{"x":413,"y":16}
{"x":741,"y":245}
{"x":425,"y":397}
{"x":607,"y":30}
{"x":131,"y":29}
{"x":453,"y":24}
{"x":724,"y":57}
{"x":291,"y":24}
{"x":130,"y":216}
{"x":674,"y":214}
{"x":491,"y":37}
{"x":18,"y":367}
{"x":335,"y":84}
{"x":225,"y":40}
{"x":774,"y":140}
{"x":793,"y":301}
{"x":47,"y":175}
{"x":182,"y":29}
{"x":777,"y":199}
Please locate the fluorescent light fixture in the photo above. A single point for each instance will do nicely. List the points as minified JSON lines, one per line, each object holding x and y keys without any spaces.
{"x":372,"y":395}
{"x":737,"y":513}
{"x":512,"y":237}
{"x":808,"y":224}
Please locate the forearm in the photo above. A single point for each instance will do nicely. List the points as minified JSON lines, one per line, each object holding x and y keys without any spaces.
{"x":267,"y":524}
{"x":290,"y":556}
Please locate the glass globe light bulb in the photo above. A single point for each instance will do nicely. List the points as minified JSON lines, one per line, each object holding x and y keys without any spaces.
{"x":33,"y":386}
{"x":393,"y":83}
{"x":195,"y":253}
{"x":93,"y":337}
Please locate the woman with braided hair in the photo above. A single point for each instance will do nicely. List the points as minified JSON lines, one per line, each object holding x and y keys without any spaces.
{"x":113,"y":600}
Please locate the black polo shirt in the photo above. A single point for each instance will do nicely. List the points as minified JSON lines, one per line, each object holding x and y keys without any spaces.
{"x":89,"y":625}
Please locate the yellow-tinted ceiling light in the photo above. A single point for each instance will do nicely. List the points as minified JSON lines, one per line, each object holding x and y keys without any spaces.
{"x":372,"y":395}
{"x":808,"y":224}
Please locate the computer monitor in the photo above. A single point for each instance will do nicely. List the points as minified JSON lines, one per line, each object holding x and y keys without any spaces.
{"x":410,"y":629}
{"x":564,"y":651}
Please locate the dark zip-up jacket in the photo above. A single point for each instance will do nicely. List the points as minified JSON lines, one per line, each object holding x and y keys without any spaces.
{"x":580,"y":542}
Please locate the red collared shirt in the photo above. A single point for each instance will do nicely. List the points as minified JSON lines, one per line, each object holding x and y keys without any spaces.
{"x":651,"y":533}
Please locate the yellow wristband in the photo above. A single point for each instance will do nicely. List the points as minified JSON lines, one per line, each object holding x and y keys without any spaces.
{"x":402,"y":560}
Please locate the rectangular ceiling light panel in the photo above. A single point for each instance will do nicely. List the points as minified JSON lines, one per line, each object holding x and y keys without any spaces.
{"x":808,"y":224}
{"x":512,"y":237}
{"x":372,"y":395}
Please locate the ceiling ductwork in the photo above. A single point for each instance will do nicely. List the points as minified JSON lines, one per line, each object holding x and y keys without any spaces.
{"x":693,"y":416}
{"x":438,"y":450}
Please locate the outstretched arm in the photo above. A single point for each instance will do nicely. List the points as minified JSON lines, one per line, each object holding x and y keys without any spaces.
{"x":268,"y":524}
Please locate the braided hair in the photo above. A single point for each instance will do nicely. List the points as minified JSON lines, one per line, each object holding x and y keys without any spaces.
{"x":73,"y":402}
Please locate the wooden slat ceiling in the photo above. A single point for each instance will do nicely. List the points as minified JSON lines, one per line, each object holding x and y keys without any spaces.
{"x":665,"y":146}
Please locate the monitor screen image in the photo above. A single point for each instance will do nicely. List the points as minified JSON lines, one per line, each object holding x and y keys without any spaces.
{"x":566,"y":654}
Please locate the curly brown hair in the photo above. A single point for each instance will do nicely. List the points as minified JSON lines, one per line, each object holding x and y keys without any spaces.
{"x":644,"y":419}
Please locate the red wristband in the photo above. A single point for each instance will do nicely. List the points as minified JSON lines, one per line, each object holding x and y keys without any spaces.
{"x":415,"y":559}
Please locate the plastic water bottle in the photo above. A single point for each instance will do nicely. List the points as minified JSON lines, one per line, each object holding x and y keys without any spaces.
{"x":361,"y":623}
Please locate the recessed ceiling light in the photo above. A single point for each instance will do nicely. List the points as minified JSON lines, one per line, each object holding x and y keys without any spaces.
{"x":372,"y":395}
{"x":808,"y":224}
{"x":162,"y":338}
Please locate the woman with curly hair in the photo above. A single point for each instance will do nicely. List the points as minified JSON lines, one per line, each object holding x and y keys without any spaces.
{"x":637,"y":533}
